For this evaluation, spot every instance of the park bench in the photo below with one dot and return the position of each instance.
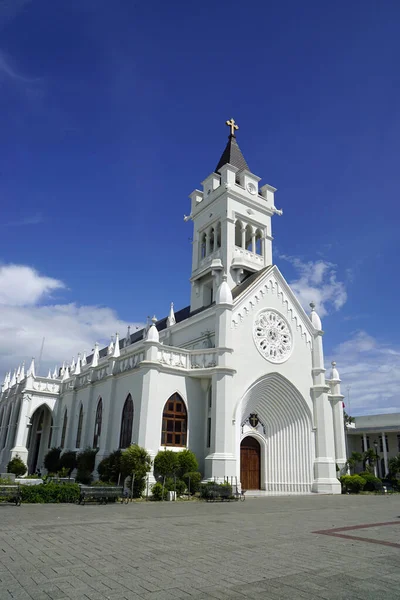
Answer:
(100, 494)
(10, 493)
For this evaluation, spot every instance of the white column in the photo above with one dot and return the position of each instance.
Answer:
(385, 456)
(244, 238)
(325, 480)
(338, 428)
(365, 442)
(253, 242)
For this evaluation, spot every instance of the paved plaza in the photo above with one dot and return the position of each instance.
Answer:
(271, 548)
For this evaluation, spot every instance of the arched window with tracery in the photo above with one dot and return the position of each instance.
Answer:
(174, 422)
(97, 424)
(125, 437)
(64, 428)
(79, 430)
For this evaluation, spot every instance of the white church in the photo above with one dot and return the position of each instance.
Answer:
(237, 376)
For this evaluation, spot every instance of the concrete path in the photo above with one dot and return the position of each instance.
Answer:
(262, 548)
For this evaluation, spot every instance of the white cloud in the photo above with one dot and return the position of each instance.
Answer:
(27, 315)
(22, 286)
(372, 370)
(317, 282)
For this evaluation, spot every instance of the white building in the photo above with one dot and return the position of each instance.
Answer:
(379, 432)
(238, 376)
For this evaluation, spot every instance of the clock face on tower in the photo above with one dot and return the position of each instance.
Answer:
(272, 336)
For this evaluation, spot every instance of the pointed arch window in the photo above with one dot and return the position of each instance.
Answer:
(259, 243)
(51, 432)
(174, 422)
(79, 430)
(218, 234)
(238, 234)
(203, 246)
(125, 437)
(97, 424)
(64, 428)
(7, 427)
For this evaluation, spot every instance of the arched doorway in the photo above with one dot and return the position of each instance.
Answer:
(285, 423)
(39, 438)
(250, 464)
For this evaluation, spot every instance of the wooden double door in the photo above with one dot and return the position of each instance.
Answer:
(250, 464)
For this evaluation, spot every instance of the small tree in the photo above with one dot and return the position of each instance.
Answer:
(135, 463)
(370, 457)
(394, 465)
(67, 462)
(17, 466)
(355, 458)
(187, 462)
(110, 467)
(52, 460)
(85, 465)
(166, 464)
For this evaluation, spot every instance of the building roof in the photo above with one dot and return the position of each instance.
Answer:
(246, 283)
(232, 155)
(181, 315)
(376, 423)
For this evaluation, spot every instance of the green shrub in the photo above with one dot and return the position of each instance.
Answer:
(17, 466)
(352, 484)
(135, 459)
(52, 460)
(157, 492)
(373, 483)
(212, 490)
(139, 485)
(6, 481)
(166, 463)
(86, 459)
(83, 476)
(195, 479)
(172, 485)
(67, 462)
(46, 493)
(110, 467)
(187, 462)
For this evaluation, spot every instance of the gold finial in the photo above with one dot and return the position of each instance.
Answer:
(233, 126)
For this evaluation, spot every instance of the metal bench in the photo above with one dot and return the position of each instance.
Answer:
(11, 493)
(100, 494)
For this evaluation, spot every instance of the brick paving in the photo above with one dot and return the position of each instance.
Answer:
(262, 548)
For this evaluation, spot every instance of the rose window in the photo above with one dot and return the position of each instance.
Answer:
(272, 336)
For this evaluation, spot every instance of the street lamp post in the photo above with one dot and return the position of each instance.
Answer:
(376, 458)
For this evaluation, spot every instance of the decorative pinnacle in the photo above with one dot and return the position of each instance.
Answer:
(312, 305)
(154, 320)
(233, 126)
(224, 277)
(333, 363)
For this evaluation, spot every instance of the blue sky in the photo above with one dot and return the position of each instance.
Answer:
(112, 113)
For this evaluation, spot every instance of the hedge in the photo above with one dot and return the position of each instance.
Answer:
(46, 493)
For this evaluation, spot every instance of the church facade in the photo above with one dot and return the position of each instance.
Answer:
(238, 376)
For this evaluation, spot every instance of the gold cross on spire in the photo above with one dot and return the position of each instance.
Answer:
(233, 126)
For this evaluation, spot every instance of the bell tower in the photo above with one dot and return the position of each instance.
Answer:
(231, 218)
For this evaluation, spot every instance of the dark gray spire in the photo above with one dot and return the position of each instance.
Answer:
(232, 155)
